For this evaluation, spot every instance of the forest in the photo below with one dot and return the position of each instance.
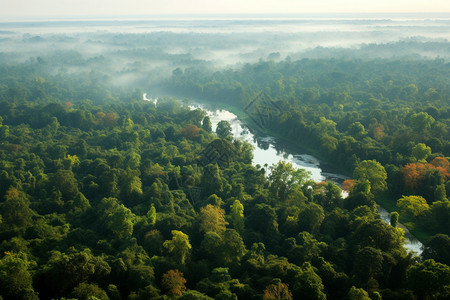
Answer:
(106, 196)
(353, 111)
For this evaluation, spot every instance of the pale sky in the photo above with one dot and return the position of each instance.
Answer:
(87, 8)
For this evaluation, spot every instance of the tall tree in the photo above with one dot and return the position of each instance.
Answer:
(224, 130)
(178, 246)
(173, 283)
(421, 151)
(212, 218)
(237, 215)
(374, 172)
(120, 222)
(15, 278)
(206, 124)
(277, 291)
(429, 279)
(438, 248)
(421, 121)
(412, 205)
(310, 217)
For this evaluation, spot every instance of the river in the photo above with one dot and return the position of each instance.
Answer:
(269, 150)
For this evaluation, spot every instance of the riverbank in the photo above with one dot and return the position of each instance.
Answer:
(390, 204)
(326, 163)
(240, 118)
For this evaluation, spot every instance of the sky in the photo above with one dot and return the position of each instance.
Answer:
(11, 9)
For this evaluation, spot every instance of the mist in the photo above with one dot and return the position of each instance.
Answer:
(145, 52)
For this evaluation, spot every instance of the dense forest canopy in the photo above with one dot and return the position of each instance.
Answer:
(106, 196)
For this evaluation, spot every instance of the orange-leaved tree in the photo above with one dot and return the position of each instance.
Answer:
(278, 291)
(173, 283)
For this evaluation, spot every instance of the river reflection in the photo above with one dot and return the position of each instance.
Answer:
(411, 243)
(269, 150)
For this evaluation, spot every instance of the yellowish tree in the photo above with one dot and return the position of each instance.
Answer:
(237, 215)
(178, 246)
(412, 205)
(212, 218)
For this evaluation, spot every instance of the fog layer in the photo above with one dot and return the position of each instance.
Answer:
(146, 51)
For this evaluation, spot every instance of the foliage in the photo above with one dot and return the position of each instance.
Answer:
(178, 246)
(212, 218)
(105, 195)
(15, 278)
(277, 291)
(413, 205)
(86, 291)
(173, 283)
(429, 279)
(372, 171)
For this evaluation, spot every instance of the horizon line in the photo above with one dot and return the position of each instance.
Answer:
(226, 15)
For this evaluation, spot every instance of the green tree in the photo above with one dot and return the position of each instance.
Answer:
(368, 264)
(194, 295)
(178, 246)
(206, 124)
(421, 121)
(438, 248)
(429, 279)
(357, 294)
(357, 130)
(421, 151)
(64, 185)
(263, 219)
(133, 160)
(65, 271)
(437, 217)
(233, 248)
(394, 218)
(89, 291)
(284, 178)
(372, 171)
(120, 222)
(440, 193)
(308, 284)
(15, 278)
(237, 215)
(303, 248)
(212, 244)
(310, 217)
(151, 215)
(15, 211)
(377, 234)
(224, 130)
(211, 181)
(412, 205)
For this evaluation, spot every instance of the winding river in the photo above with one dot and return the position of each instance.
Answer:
(269, 150)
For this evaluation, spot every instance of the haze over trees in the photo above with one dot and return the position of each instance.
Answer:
(106, 196)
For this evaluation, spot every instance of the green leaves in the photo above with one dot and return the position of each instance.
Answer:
(15, 278)
(178, 246)
(372, 171)
(120, 222)
(413, 205)
(429, 279)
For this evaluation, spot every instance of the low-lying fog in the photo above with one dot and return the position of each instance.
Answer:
(146, 50)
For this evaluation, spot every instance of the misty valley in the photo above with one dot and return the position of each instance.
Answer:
(225, 158)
